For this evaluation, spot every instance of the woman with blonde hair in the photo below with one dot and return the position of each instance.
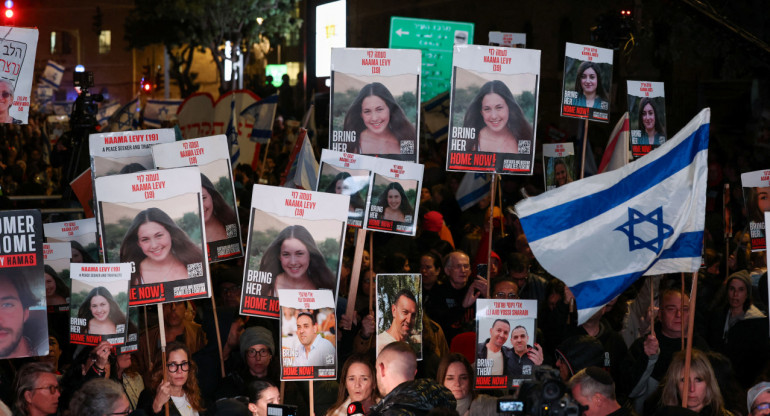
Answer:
(703, 394)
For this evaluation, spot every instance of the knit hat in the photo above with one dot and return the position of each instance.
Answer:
(433, 221)
(579, 352)
(756, 391)
(744, 277)
(256, 335)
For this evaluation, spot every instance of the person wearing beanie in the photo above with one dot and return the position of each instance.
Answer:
(257, 350)
(758, 399)
(576, 353)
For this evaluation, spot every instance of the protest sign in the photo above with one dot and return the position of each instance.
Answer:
(587, 82)
(82, 235)
(493, 109)
(347, 174)
(18, 47)
(220, 213)
(394, 200)
(399, 311)
(505, 331)
(295, 242)
(756, 197)
(308, 341)
(374, 108)
(25, 322)
(99, 304)
(508, 39)
(56, 257)
(125, 152)
(559, 163)
(154, 220)
(647, 116)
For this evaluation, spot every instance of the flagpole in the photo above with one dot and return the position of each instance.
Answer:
(491, 230)
(585, 140)
(371, 271)
(500, 202)
(162, 332)
(690, 324)
(355, 274)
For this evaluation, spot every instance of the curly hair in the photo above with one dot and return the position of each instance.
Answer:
(517, 124)
(181, 246)
(115, 315)
(600, 91)
(405, 207)
(658, 124)
(398, 124)
(342, 394)
(190, 388)
(222, 210)
(318, 272)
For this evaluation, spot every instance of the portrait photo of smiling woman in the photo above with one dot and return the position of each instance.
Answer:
(587, 82)
(99, 302)
(102, 312)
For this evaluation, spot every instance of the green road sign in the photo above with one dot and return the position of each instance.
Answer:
(436, 39)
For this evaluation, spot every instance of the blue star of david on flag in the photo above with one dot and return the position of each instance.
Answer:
(655, 217)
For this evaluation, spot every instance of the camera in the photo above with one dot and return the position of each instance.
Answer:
(544, 395)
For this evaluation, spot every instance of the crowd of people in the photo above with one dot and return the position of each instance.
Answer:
(626, 359)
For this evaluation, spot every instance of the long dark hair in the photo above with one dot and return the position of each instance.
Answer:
(517, 124)
(61, 288)
(222, 210)
(342, 393)
(116, 315)
(318, 272)
(181, 246)
(658, 125)
(398, 124)
(355, 198)
(190, 388)
(600, 91)
(405, 207)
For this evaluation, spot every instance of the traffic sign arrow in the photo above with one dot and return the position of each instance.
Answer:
(400, 32)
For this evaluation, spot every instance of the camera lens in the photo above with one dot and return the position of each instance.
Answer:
(551, 390)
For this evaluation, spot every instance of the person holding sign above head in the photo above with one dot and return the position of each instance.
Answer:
(101, 311)
(6, 102)
(313, 350)
(498, 121)
(395, 203)
(180, 388)
(158, 248)
(216, 212)
(652, 131)
(589, 87)
(295, 262)
(379, 123)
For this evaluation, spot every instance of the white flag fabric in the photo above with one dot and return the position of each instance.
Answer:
(616, 153)
(302, 171)
(157, 111)
(473, 187)
(263, 113)
(600, 234)
(52, 74)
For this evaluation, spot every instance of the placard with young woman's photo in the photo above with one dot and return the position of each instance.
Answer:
(756, 196)
(394, 200)
(220, 213)
(587, 82)
(295, 242)
(347, 174)
(646, 116)
(493, 109)
(57, 276)
(308, 335)
(559, 163)
(375, 102)
(99, 303)
(154, 220)
(505, 331)
(80, 233)
(126, 151)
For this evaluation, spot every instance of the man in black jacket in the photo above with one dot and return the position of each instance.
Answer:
(402, 394)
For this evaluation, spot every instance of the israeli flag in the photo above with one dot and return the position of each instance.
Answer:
(472, 189)
(263, 113)
(600, 234)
